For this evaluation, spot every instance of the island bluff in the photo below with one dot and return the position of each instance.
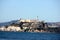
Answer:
(27, 25)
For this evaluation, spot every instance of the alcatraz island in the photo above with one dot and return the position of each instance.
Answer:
(28, 25)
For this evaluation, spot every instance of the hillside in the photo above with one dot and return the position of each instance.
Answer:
(8, 23)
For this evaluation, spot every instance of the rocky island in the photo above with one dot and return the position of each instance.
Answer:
(26, 25)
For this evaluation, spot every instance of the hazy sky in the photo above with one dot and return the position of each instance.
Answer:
(48, 10)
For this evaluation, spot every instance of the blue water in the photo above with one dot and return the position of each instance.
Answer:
(28, 36)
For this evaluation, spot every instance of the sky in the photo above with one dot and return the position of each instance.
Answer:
(47, 10)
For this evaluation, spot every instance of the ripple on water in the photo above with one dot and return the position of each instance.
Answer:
(28, 36)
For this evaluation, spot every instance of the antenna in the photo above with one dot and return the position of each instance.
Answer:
(37, 18)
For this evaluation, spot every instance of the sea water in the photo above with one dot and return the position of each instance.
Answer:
(29, 36)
